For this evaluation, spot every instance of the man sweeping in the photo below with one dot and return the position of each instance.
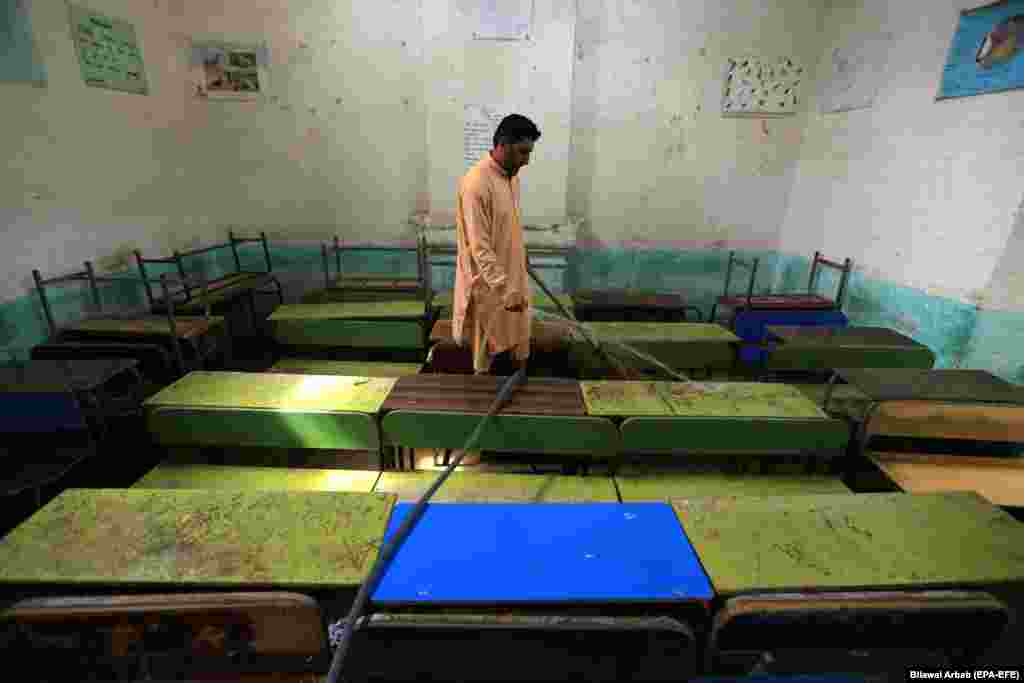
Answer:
(491, 308)
(492, 290)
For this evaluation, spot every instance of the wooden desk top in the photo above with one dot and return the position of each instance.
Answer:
(187, 327)
(274, 391)
(148, 537)
(698, 399)
(998, 480)
(475, 394)
(869, 541)
(55, 376)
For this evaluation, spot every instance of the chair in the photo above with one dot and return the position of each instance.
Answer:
(809, 301)
(132, 325)
(855, 632)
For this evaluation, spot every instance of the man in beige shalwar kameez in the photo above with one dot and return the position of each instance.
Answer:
(491, 311)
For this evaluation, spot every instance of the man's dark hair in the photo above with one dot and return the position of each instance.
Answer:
(515, 128)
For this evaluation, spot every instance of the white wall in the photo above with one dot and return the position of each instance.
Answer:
(922, 193)
(652, 157)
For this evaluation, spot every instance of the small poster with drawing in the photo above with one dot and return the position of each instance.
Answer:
(228, 71)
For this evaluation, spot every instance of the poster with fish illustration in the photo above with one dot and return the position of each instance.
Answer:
(987, 54)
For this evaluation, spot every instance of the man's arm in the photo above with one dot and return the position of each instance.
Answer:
(479, 233)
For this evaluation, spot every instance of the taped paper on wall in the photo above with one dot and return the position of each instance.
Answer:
(504, 20)
(856, 75)
(480, 122)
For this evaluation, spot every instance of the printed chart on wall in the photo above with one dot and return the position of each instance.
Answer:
(857, 73)
(19, 58)
(987, 54)
(229, 71)
(108, 51)
(504, 20)
(755, 86)
(481, 120)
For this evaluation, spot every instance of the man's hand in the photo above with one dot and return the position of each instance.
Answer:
(515, 302)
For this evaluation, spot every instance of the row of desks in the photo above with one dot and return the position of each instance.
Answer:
(599, 418)
(690, 550)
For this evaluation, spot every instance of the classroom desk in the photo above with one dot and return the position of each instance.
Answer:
(491, 487)
(544, 415)
(549, 342)
(946, 385)
(37, 394)
(752, 326)
(197, 539)
(538, 300)
(363, 324)
(827, 348)
(310, 366)
(220, 291)
(188, 476)
(998, 480)
(636, 484)
(545, 335)
(496, 553)
(715, 417)
(630, 305)
(868, 541)
(268, 409)
(684, 346)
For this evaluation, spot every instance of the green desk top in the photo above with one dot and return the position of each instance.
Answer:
(843, 542)
(662, 332)
(273, 391)
(489, 487)
(336, 367)
(815, 336)
(350, 310)
(697, 399)
(183, 476)
(198, 538)
(640, 485)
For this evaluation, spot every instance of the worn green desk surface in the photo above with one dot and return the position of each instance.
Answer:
(640, 484)
(826, 348)
(304, 366)
(200, 538)
(715, 417)
(870, 541)
(363, 324)
(273, 391)
(489, 487)
(678, 345)
(183, 476)
(269, 410)
(698, 399)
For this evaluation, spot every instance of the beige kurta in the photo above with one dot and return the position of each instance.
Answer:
(491, 264)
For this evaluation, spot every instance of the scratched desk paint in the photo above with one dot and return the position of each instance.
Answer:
(268, 409)
(870, 541)
(472, 487)
(827, 348)
(198, 538)
(171, 475)
(366, 324)
(498, 553)
(644, 483)
(678, 345)
(730, 417)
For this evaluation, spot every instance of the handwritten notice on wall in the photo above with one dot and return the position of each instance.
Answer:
(857, 71)
(108, 51)
(481, 121)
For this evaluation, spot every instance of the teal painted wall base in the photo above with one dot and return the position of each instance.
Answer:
(960, 334)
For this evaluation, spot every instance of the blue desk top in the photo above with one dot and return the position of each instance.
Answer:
(751, 326)
(492, 553)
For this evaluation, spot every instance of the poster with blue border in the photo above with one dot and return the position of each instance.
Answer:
(19, 59)
(987, 54)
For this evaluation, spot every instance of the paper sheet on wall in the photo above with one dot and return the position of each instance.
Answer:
(856, 75)
(504, 20)
(481, 120)
(19, 59)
